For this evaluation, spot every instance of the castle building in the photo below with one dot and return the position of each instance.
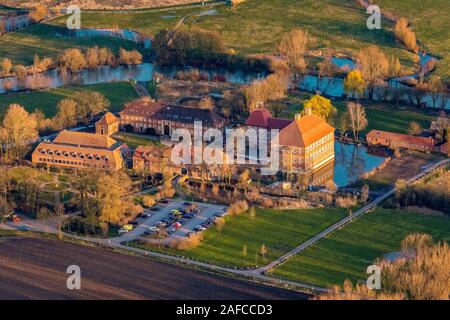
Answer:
(107, 125)
(306, 143)
(80, 150)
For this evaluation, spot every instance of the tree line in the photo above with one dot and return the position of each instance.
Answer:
(72, 60)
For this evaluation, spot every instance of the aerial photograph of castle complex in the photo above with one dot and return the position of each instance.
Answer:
(274, 151)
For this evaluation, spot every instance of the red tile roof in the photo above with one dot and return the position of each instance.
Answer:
(108, 119)
(304, 131)
(142, 108)
(262, 118)
(399, 137)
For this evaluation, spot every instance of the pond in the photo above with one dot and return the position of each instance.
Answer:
(352, 161)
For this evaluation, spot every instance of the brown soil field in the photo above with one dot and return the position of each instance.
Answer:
(33, 268)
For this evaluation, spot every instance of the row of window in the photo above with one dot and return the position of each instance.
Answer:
(74, 155)
(72, 163)
(321, 141)
(325, 149)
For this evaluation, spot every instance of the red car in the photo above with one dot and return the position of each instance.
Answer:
(16, 219)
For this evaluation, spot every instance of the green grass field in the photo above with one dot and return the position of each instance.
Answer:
(430, 20)
(279, 231)
(134, 140)
(347, 253)
(40, 39)
(118, 93)
(389, 117)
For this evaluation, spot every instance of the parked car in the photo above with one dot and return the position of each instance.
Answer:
(146, 215)
(188, 216)
(134, 222)
(123, 230)
(205, 224)
(153, 228)
(165, 201)
(148, 232)
(177, 225)
(199, 228)
(155, 209)
(187, 204)
(171, 230)
(25, 228)
(16, 219)
(128, 227)
(159, 223)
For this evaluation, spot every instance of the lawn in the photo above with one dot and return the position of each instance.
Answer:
(389, 117)
(134, 140)
(118, 93)
(430, 20)
(347, 253)
(40, 39)
(279, 231)
(256, 25)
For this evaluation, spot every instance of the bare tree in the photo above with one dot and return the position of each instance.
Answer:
(357, 118)
(293, 47)
(374, 67)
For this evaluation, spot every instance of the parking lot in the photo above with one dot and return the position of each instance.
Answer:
(204, 212)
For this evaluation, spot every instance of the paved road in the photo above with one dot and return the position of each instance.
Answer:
(36, 269)
(347, 220)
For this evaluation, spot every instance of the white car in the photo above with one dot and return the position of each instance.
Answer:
(122, 231)
(153, 228)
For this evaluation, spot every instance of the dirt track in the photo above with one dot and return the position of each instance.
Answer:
(35, 269)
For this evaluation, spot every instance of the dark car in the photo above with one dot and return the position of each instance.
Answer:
(187, 204)
(134, 223)
(155, 209)
(164, 201)
(188, 216)
(205, 224)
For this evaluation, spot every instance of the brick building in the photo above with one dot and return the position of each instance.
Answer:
(107, 125)
(80, 150)
(403, 141)
(156, 118)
